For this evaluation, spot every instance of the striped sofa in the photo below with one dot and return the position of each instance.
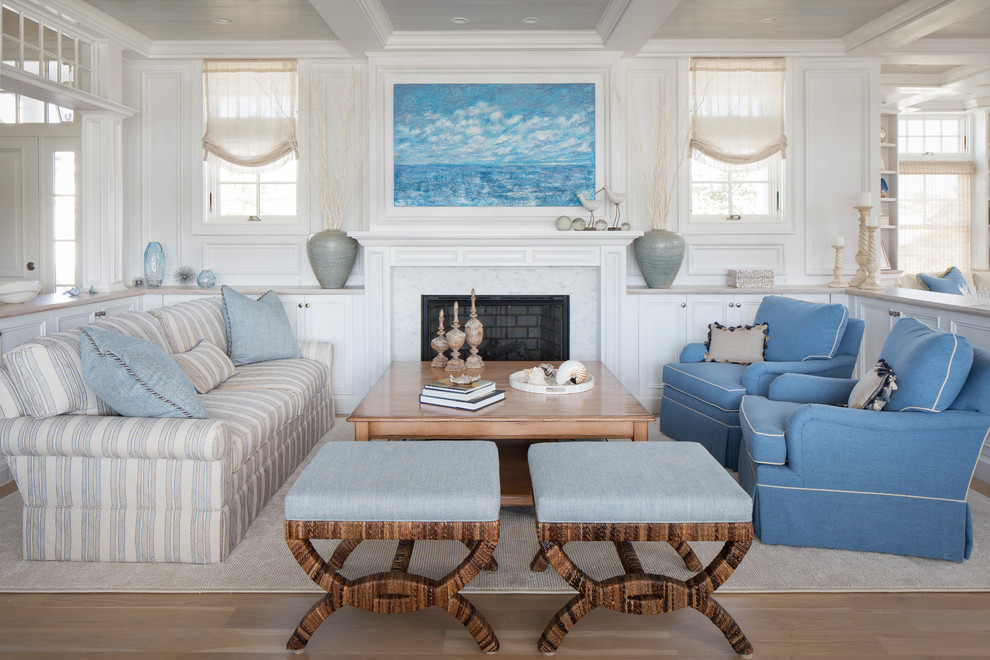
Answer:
(101, 487)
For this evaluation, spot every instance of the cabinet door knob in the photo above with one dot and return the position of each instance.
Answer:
(307, 305)
(683, 304)
(299, 305)
(29, 265)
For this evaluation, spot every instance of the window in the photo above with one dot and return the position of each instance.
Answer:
(737, 139)
(236, 194)
(249, 141)
(932, 135)
(17, 109)
(64, 219)
(732, 195)
(33, 45)
(934, 228)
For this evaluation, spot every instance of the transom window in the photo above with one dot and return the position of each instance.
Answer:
(18, 109)
(37, 47)
(932, 135)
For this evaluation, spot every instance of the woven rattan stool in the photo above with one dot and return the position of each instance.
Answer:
(672, 492)
(408, 491)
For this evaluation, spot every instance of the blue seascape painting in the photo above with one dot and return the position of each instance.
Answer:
(494, 144)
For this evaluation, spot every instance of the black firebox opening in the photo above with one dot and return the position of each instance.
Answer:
(528, 328)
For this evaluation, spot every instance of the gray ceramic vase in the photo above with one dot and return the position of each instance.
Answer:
(659, 253)
(331, 255)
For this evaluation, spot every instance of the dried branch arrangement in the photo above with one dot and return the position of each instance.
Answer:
(338, 137)
(660, 147)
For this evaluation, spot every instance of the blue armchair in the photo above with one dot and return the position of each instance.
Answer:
(701, 399)
(893, 480)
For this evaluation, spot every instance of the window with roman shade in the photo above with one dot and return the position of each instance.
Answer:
(934, 227)
(738, 110)
(737, 139)
(250, 112)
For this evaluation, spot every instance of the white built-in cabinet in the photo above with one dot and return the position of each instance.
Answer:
(15, 330)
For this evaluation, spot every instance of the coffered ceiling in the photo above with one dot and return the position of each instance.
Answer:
(935, 53)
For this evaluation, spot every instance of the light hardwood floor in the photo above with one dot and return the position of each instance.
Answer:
(910, 626)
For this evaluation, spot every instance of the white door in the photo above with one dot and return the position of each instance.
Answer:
(19, 222)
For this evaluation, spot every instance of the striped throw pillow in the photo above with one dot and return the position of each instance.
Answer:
(206, 365)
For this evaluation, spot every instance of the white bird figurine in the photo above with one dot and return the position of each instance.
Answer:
(616, 199)
(590, 205)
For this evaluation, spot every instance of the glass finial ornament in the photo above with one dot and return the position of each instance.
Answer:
(206, 279)
(154, 265)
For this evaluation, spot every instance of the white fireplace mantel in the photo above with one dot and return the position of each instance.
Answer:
(384, 251)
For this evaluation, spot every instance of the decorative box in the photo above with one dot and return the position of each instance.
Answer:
(751, 279)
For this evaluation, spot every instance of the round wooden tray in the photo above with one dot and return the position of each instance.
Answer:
(518, 381)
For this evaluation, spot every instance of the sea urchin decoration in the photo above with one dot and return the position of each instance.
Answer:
(137, 282)
(184, 275)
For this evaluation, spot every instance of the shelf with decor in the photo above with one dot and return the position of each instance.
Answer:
(888, 188)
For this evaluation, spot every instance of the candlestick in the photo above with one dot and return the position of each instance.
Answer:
(863, 241)
(837, 282)
(872, 265)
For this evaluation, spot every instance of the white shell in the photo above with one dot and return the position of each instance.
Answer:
(571, 369)
(536, 377)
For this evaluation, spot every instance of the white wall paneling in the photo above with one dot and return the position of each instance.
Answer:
(102, 201)
(841, 113)
(717, 258)
(242, 260)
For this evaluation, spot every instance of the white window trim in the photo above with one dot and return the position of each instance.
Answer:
(965, 132)
(777, 202)
(683, 221)
(211, 186)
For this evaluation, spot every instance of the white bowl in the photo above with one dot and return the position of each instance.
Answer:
(18, 291)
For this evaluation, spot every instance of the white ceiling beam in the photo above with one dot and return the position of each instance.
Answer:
(908, 22)
(362, 26)
(626, 25)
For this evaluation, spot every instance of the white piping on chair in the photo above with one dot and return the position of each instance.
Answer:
(750, 454)
(698, 398)
(955, 347)
(728, 426)
(738, 389)
(860, 492)
(835, 342)
(742, 412)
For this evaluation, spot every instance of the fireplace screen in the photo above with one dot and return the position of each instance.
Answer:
(529, 328)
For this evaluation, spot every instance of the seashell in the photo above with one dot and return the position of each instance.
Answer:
(536, 377)
(463, 379)
(571, 371)
(548, 370)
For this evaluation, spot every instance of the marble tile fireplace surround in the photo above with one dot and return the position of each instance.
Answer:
(590, 267)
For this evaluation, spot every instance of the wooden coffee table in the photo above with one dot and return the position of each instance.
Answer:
(391, 411)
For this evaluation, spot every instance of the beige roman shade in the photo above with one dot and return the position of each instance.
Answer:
(250, 111)
(738, 110)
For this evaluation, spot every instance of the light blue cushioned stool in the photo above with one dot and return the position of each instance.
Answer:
(424, 490)
(622, 492)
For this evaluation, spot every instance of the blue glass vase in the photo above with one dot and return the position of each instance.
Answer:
(206, 279)
(154, 265)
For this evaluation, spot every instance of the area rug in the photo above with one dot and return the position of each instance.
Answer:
(262, 563)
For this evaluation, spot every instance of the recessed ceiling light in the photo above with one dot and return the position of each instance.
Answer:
(769, 19)
(459, 20)
(222, 21)
(531, 20)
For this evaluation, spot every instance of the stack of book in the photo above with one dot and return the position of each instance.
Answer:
(470, 396)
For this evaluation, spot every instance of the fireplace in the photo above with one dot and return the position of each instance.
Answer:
(517, 327)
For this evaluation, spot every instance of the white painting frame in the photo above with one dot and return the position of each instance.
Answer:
(467, 218)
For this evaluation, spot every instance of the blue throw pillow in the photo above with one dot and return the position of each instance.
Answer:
(257, 330)
(800, 330)
(135, 377)
(951, 281)
(931, 366)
